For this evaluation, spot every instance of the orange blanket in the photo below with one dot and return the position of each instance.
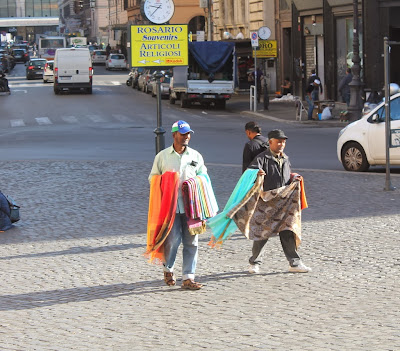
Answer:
(161, 215)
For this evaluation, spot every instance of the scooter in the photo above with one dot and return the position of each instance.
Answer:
(130, 79)
(4, 88)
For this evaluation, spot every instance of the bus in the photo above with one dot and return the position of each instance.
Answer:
(49, 45)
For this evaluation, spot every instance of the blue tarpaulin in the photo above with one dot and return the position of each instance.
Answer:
(211, 55)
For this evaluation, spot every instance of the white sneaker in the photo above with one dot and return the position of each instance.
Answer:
(254, 269)
(300, 268)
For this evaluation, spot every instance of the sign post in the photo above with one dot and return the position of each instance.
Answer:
(159, 46)
(254, 44)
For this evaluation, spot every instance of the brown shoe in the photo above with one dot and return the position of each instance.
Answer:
(169, 278)
(191, 285)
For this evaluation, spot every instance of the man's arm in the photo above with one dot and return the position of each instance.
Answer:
(247, 157)
(155, 170)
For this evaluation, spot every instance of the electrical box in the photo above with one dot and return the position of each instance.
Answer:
(204, 4)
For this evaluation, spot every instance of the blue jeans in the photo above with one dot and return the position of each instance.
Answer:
(180, 234)
(310, 106)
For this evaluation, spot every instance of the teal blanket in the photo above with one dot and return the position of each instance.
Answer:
(221, 226)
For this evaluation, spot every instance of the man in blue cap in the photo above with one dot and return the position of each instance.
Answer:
(179, 157)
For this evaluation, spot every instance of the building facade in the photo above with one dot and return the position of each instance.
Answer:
(25, 19)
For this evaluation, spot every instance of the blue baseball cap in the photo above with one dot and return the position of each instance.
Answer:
(181, 127)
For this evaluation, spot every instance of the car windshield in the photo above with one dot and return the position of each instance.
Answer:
(100, 53)
(394, 110)
(50, 65)
(19, 52)
(38, 63)
(117, 57)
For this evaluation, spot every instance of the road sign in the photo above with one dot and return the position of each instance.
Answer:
(159, 45)
(254, 39)
(267, 48)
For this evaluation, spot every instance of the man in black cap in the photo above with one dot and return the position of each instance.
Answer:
(275, 166)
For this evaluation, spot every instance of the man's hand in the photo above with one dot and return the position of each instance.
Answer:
(261, 172)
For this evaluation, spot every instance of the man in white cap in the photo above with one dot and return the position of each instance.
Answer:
(179, 157)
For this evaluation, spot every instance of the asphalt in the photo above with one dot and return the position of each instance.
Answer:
(74, 276)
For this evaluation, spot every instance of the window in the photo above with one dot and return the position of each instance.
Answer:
(394, 110)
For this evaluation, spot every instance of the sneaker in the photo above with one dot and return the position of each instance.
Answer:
(254, 268)
(300, 268)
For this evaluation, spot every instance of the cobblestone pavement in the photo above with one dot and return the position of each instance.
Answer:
(74, 276)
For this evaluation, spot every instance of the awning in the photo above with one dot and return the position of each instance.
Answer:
(29, 21)
(302, 5)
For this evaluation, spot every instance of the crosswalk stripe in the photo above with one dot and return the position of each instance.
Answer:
(96, 118)
(43, 120)
(17, 123)
(121, 118)
(70, 119)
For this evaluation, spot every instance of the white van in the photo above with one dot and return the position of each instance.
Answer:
(73, 69)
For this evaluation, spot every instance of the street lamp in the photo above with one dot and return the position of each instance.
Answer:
(355, 85)
(159, 131)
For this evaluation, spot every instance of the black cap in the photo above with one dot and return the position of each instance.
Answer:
(277, 134)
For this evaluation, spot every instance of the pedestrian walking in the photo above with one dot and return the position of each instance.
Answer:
(344, 88)
(310, 101)
(171, 167)
(274, 165)
(315, 82)
(257, 143)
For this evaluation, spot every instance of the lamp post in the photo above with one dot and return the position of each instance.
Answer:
(355, 85)
(159, 131)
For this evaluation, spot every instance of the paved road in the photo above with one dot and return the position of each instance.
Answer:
(74, 277)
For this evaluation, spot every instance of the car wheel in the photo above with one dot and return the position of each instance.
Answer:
(354, 158)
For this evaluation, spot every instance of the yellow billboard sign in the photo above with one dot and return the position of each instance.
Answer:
(159, 45)
(267, 48)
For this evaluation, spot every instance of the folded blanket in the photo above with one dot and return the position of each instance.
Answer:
(263, 214)
(161, 215)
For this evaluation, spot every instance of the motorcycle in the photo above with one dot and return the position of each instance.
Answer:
(129, 81)
(4, 88)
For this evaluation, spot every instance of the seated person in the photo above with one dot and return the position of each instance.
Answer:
(286, 86)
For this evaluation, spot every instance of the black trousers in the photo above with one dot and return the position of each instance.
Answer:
(288, 245)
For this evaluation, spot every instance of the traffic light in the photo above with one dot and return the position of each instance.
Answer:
(80, 4)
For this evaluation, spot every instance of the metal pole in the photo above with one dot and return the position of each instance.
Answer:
(159, 131)
(388, 185)
(255, 79)
(266, 96)
(355, 106)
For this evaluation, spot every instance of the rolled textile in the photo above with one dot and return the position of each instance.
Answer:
(161, 214)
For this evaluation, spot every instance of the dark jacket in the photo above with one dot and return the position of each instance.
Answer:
(344, 84)
(252, 148)
(311, 81)
(273, 178)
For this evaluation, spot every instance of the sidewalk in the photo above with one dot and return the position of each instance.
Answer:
(283, 111)
(74, 276)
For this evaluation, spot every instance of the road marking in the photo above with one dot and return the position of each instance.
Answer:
(96, 118)
(116, 83)
(43, 120)
(121, 118)
(70, 119)
(17, 123)
(18, 90)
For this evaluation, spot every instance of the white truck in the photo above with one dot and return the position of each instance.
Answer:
(210, 76)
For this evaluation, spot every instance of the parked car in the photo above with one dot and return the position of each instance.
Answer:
(116, 61)
(144, 79)
(35, 68)
(99, 57)
(164, 84)
(20, 55)
(362, 143)
(48, 74)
